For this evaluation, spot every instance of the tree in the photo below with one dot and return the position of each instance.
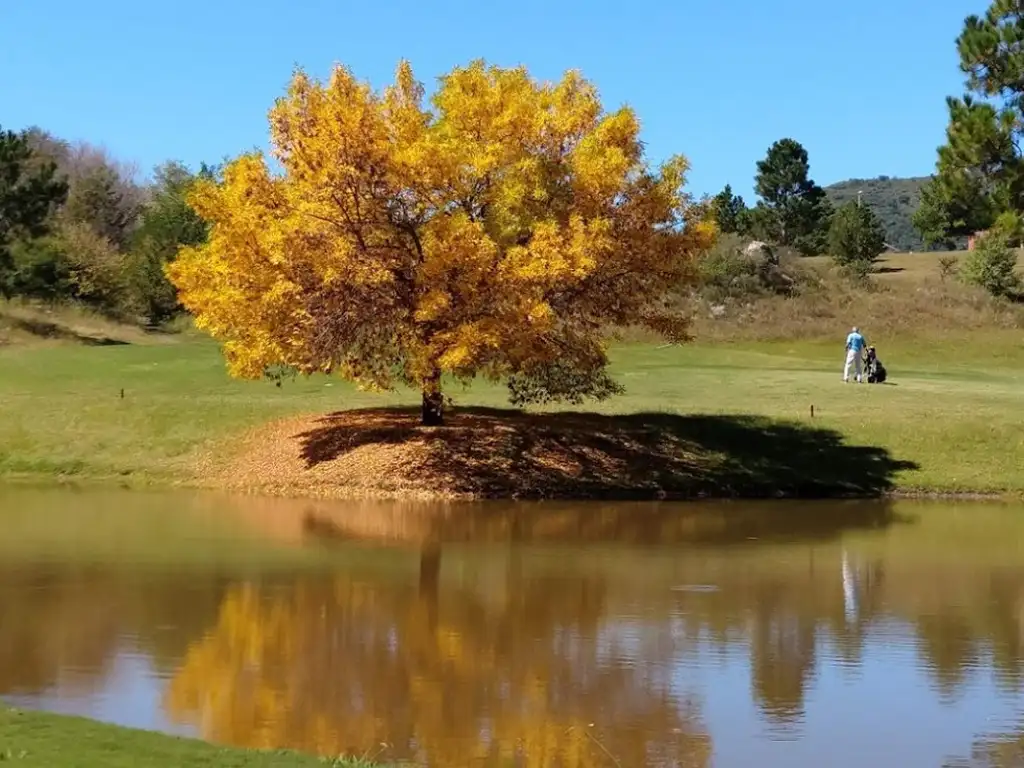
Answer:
(793, 211)
(166, 224)
(855, 237)
(992, 264)
(29, 193)
(728, 210)
(499, 234)
(980, 168)
(103, 196)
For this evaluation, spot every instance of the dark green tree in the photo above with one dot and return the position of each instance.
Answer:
(855, 238)
(953, 205)
(729, 210)
(793, 211)
(980, 168)
(30, 191)
(167, 224)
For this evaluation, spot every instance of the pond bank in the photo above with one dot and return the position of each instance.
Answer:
(499, 454)
(38, 739)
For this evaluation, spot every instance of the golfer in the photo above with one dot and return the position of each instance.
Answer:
(855, 344)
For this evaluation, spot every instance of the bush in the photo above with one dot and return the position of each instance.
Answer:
(947, 267)
(992, 265)
(75, 263)
(730, 271)
(725, 272)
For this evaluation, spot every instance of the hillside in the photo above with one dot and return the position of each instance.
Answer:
(892, 200)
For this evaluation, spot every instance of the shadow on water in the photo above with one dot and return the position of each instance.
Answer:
(637, 523)
(495, 452)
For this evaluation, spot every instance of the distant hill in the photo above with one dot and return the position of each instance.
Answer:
(892, 200)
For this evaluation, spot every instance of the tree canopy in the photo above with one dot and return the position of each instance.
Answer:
(729, 210)
(29, 192)
(980, 169)
(855, 237)
(167, 222)
(498, 232)
(793, 210)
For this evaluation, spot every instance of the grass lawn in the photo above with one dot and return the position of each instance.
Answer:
(35, 739)
(954, 407)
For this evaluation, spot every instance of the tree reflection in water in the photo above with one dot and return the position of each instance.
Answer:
(343, 665)
(523, 626)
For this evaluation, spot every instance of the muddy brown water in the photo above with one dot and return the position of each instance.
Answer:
(724, 634)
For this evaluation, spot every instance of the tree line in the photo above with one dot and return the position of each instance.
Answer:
(978, 184)
(794, 212)
(76, 224)
(977, 189)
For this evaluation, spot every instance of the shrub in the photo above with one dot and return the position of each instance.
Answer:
(992, 265)
(92, 270)
(730, 271)
(725, 272)
(947, 267)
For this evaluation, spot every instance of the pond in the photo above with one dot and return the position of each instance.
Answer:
(724, 634)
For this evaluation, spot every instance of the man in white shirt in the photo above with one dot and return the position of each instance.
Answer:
(855, 344)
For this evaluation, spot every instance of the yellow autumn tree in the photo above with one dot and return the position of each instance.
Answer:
(499, 230)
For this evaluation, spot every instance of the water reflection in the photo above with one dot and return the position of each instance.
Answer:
(337, 665)
(518, 634)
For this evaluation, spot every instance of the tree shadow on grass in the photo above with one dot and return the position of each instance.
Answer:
(49, 330)
(502, 453)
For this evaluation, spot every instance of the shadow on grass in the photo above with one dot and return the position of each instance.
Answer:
(887, 270)
(49, 330)
(501, 453)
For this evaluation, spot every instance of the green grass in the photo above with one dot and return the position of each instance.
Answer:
(35, 739)
(952, 407)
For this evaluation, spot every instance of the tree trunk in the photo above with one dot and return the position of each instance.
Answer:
(430, 568)
(433, 401)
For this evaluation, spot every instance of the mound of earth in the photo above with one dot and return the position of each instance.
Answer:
(484, 453)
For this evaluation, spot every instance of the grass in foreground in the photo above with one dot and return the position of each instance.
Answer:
(54, 741)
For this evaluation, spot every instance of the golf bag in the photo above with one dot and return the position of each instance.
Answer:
(876, 371)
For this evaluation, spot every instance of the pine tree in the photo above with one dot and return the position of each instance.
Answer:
(729, 210)
(29, 193)
(980, 168)
(855, 238)
(793, 211)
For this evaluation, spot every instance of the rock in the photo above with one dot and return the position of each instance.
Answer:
(762, 254)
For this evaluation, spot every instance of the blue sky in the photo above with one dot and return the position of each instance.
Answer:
(861, 85)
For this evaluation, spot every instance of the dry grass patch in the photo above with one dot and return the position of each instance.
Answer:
(891, 303)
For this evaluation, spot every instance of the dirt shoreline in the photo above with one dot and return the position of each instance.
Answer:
(482, 454)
